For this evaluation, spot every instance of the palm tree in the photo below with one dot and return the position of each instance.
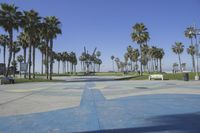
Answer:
(191, 51)
(31, 25)
(160, 55)
(53, 29)
(81, 59)
(175, 65)
(190, 33)
(145, 59)
(10, 21)
(152, 53)
(178, 48)
(99, 62)
(126, 56)
(183, 66)
(4, 41)
(140, 36)
(98, 54)
(130, 51)
(23, 40)
(65, 57)
(59, 58)
(134, 57)
(42, 48)
(112, 58)
(15, 49)
(20, 59)
(117, 63)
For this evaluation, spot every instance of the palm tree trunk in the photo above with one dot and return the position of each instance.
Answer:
(179, 58)
(63, 67)
(193, 60)
(42, 63)
(160, 65)
(58, 67)
(113, 66)
(14, 63)
(192, 42)
(75, 69)
(4, 58)
(47, 60)
(136, 65)
(94, 67)
(10, 51)
(67, 67)
(197, 67)
(72, 68)
(141, 60)
(25, 61)
(99, 67)
(34, 61)
(29, 61)
(193, 63)
(51, 58)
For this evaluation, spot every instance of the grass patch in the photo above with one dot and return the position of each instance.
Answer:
(21, 80)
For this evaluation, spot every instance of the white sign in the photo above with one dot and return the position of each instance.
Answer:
(23, 67)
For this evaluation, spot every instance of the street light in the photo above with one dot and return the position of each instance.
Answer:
(197, 32)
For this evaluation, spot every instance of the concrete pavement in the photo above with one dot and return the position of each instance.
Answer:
(112, 106)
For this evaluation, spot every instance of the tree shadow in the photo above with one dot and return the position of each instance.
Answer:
(182, 123)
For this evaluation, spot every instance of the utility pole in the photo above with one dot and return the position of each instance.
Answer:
(197, 32)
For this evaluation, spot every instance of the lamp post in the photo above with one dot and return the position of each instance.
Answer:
(197, 32)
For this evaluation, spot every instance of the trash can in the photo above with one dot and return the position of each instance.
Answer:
(186, 76)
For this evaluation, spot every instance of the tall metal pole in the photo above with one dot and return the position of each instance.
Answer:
(197, 54)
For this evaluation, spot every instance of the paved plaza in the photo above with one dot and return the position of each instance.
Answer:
(101, 106)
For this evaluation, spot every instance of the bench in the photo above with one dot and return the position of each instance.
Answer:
(7, 80)
(156, 76)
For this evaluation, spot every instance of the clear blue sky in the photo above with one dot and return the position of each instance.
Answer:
(107, 24)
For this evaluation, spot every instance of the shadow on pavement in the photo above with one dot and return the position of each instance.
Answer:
(181, 123)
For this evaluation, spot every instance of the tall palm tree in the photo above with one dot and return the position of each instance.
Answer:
(191, 51)
(99, 62)
(15, 49)
(117, 63)
(23, 40)
(134, 57)
(98, 54)
(178, 48)
(4, 41)
(53, 30)
(140, 35)
(160, 55)
(42, 48)
(10, 21)
(130, 51)
(175, 65)
(145, 58)
(81, 59)
(31, 24)
(58, 57)
(20, 59)
(65, 57)
(190, 33)
(126, 57)
(112, 58)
